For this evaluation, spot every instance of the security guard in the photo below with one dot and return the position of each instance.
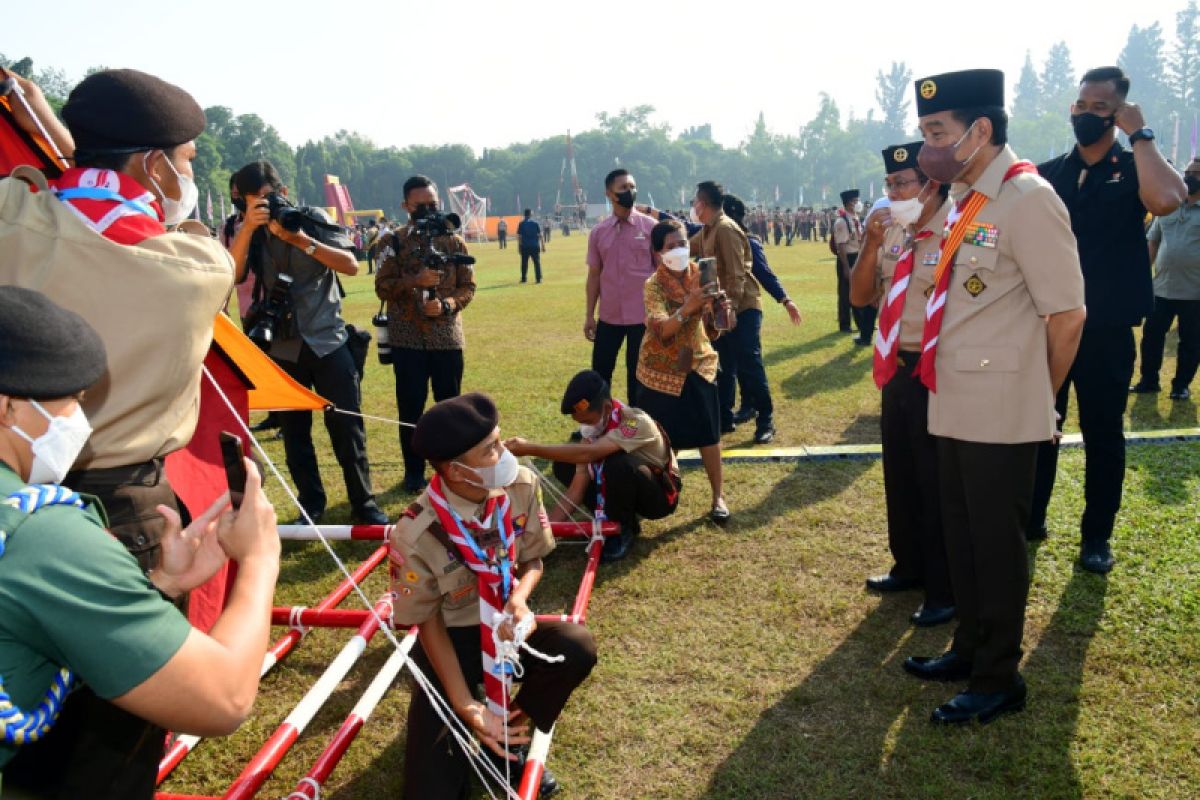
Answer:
(1001, 329)
(481, 518)
(899, 255)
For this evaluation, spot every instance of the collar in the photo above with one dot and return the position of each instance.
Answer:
(467, 509)
(715, 220)
(937, 222)
(1111, 157)
(992, 179)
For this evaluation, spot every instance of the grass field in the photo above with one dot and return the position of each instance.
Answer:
(749, 662)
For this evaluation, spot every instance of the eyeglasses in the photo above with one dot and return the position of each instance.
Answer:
(897, 185)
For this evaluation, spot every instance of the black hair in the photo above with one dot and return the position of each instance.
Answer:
(414, 183)
(611, 177)
(1106, 74)
(658, 234)
(232, 182)
(735, 209)
(711, 192)
(251, 178)
(528, 213)
(994, 114)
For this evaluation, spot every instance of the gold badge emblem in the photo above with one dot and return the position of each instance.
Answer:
(900, 155)
(928, 90)
(974, 285)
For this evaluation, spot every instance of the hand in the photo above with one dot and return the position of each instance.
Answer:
(589, 329)
(294, 238)
(517, 446)
(428, 278)
(877, 225)
(250, 532)
(1056, 437)
(257, 214)
(519, 611)
(793, 311)
(696, 300)
(1129, 118)
(192, 555)
(491, 729)
(36, 100)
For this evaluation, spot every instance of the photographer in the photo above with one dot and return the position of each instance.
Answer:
(297, 319)
(427, 279)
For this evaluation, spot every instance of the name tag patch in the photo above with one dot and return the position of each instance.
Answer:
(982, 234)
(930, 259)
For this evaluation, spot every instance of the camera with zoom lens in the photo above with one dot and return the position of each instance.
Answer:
(272, 313)
(427, 228)
(293, 219)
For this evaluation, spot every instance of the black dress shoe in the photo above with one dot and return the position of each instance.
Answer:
(890, 583)
(1097, 559)
(744, 415)
(861, 342)
(764, 435)
(931, 616)
(949, 666)
(1180, 394)
(414, 485)
(983, 706)
(617, 547)
(369, 515)
(730, 428)
(270, 423)
(719, 514)
(1141, 387)
(314, 515)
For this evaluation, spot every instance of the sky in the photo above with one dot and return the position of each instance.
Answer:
(489, 74)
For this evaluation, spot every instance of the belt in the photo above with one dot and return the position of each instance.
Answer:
(908, 357)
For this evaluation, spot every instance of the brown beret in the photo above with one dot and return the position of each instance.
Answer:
(452, 427)
(127, 110)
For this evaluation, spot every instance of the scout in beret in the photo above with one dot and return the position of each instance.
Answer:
(1002, 328)
(476, 535)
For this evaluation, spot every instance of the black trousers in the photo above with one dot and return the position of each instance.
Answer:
(910, 485)
(843, 290)
(335, 378)
(536, 254)
(985, 491)
(416, 372)
(434, 766)
(751, 374)
(631, 489)
(864, 320)
(1101, 374)
(503, 237)
(609, 339)
(1154, 335)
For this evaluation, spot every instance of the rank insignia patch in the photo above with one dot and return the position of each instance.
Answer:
(982, 234)
(928, 90)
(974, 285)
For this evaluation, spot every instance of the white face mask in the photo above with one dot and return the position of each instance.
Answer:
(592, 432)
(56, 450)
(175, 211)
(676, 259)
(906, 212)
(693, 217)
(497, 476)
(858, 206)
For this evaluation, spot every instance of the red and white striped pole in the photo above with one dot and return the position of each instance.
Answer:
(270, 754)
(185, 744)
(535, 765)
(309, 787)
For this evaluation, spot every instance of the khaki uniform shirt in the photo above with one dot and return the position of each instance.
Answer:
(723, 240)
(993, 375)
(847, 235)
(638, 435)
(428, 577)
(152, 303)
(920, 284)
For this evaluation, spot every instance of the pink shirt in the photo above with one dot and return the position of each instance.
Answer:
(620, 249)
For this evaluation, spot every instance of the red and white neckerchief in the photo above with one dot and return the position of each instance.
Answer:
(596, 468)
(957, 222)
(493, 568)
(888, 336)
(111, 203)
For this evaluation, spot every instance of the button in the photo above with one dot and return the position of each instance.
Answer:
(974, 260)
(984, 362)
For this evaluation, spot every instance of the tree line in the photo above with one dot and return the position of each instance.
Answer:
(830, 152)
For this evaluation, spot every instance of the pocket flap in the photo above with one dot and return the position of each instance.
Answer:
(973, 257)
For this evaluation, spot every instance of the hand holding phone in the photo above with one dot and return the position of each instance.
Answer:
(235, 468)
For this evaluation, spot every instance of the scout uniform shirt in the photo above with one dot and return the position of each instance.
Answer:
(920, 283)
(426, 572)
(1017, 264)
(723, 240)
(847, 235)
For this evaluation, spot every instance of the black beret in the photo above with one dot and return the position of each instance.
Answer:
(848, 195)
(452, 427)
(46, 351)
(126, 110)
(585, 391)
(900, 157)
(953, 90)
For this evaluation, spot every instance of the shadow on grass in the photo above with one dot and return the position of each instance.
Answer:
(841, 371)
(778, 354)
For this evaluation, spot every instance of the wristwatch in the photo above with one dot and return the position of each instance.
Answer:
(680, 316)
(312, 248)
(1139, 135)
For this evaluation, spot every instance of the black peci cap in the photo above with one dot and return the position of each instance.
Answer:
(46, 351)
(452, 427)
(969, 88)
(848, 195)
(585, 391)
(124, 110)
(900, 157)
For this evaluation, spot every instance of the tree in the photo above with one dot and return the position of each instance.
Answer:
(1142, 60)
(1059, 85)
(1184, 62)
(893, 94)
(1027, 94)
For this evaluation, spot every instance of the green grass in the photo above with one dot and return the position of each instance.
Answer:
(748, 662)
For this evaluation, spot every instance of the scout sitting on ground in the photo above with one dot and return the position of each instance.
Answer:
(476, 537)
(622, 468)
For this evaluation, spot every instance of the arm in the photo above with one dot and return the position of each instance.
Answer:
(574, 497)
(391, 282)
(763, 273)
(1154, 239)
(580, 453)
(863, 280)
(42, 112)
(732, 257)
(464, 287)
(334, 258)
(595, 265)
(1153, 245)
(1063, 331)
(1159, 185)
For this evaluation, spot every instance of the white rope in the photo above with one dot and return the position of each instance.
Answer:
(299, 795)
(422, 681)
(294, 620)
(337, 410)
(509, 651)
(20, 93)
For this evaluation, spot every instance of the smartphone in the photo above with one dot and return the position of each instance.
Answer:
(235, 468)
(708, 274)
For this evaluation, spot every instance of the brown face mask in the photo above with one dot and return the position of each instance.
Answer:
(940, 163)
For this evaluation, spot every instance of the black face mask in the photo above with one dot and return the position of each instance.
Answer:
(424, 210)
(627, 198)
(1090, 128)
(1192, 182)
(239, 203)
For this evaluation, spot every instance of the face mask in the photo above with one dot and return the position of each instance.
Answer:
(858, 206)
(693, 217)
(627, 198)
(239, 203)
(56, 450)
(424, 210)
(676, 259)
(940, 163)
(1090, 128)
(1192, 182)
(497, 476)
(906, 212)
(592, 432)
(175, 211)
